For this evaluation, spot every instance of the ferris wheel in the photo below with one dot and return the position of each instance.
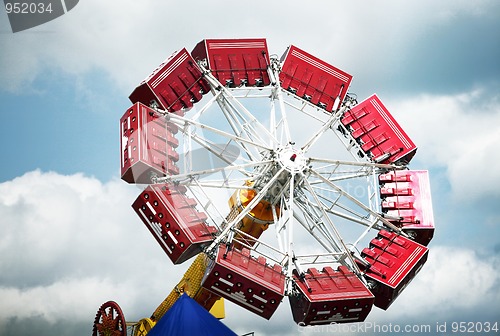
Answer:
(280, 183)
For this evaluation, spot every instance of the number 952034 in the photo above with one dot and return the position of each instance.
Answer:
(27, 7)
(474, 327)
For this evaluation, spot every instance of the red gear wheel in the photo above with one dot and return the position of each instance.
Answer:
(109, 321)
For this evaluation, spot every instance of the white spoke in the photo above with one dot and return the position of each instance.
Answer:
(326, 126)
(342, 176)
(356, 164)
(236, 112)
(205, 108)
(286, 137)
(181, 121)
(291, 210)
(201, 173)
(355, 217)
(258, 197)
(343, 247)
(358, 203)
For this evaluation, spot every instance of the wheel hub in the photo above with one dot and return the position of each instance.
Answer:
(293, 160)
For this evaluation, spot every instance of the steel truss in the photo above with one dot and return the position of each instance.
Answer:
(307, 190)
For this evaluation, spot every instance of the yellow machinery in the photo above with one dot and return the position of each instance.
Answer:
(191, 285)
(252, 225)
(255, 222)
(247, 230)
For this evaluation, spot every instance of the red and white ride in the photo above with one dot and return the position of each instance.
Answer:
(286, 183)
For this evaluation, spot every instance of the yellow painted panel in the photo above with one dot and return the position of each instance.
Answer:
(218, 309)
(143, 327)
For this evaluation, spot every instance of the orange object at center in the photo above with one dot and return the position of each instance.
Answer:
(262, 211)
(256, 221)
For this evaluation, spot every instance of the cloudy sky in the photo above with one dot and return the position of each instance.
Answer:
(69, 239)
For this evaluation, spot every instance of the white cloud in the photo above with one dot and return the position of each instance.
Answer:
(453, 281)
(128, 39)
(70, 243)
(458, 132)
(70, 299)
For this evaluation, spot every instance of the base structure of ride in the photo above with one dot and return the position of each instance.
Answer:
(274, 181)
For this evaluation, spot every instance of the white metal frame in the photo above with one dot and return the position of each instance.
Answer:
(282, 173)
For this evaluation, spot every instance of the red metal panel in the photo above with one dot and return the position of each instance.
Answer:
(313, 79)
(394, 261)
(330, 297)
(406, 200)
(235, 62)
(180, 200)
(401, 176)
(147, 145)
(247, 281)
(176, 84)
(177, 226)
(380, 136)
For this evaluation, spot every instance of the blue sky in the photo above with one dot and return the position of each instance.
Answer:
(68, 238)
(57, 108)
